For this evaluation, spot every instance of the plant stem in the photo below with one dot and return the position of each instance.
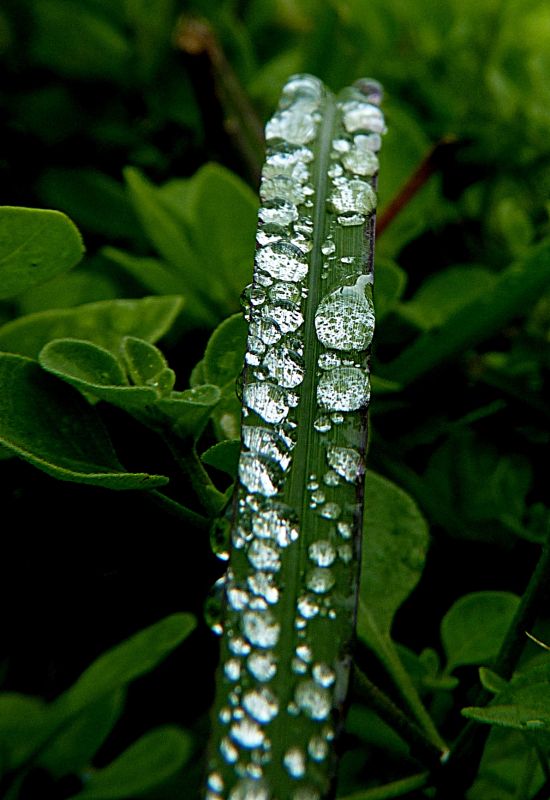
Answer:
(427, 167)
(393, 789)
(421, 746)
(463, 762)
(179, 511)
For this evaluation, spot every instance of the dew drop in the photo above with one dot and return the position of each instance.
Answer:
(302, 87)
(345, 461)
(291, 163)
(295, 762)
(265, 442)
(261, 666)
(261, 704)
(267, 400)
(317, 748)
(313, 700)
(215, 782)
(286, 314)
(328, 247)
(259, 474)
(285, 367)
(284, 291)
(213, 607)
(250, 789)
(322, 425)
(232, 669)
(283, 261)
(276, 521)
(247, 733)
(228, 751)
(260, 628)
(303, 652)
(308, 606)
(294, 125)
(320, 580)
(220, 537)
(323, 674)
(344, 319)
(346, 553)
(361, 159)
(238, 646)
(322, 553)
(330, 511)
(362, 117)
(353, 197)
(237, 598)
(343, 389)
(281, 186)
(262, 584)
(278, 212)
(264, 329)
(264, 556)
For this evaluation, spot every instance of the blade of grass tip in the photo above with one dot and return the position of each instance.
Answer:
(291, 588)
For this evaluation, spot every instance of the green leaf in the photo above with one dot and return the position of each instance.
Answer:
(125, 662)
(444, 293)
(51, 426)
(94, 370)
(514, 293)
(35, 245)
(66, 291)
(155, 275)
(224, 456)
(224, 355)
(474, 627)
(190, 410)
(144, 765)
(395, 542)
(146, 365)
(25, 724)
(105, 323)
(71, 749)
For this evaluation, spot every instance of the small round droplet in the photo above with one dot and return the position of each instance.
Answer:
(260, 628)
(313, 700)
(247, 733)
(344, 319)
(295, 762)
(261, 704)
(361, 117)
(261, 666)
(278, 212)
(264, 556)
(322, 553)
(345, 461)
(295, 126)
(320, 580)
(323, 674)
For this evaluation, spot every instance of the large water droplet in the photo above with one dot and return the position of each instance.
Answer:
(308, 606)
(266, 330)
(361, 159)
(285, 367)
(278, 212)
(282, 187)
(322, 553)
(283, 261)
(262, 666)
(343, 389)
(228, 751)
(232, 669)
(323, 674)
(320, 580)
(287, 315)
(353, 197)
(344, 319)
(294, 125)
(295, 762)
(300, 88)
(247, 733)
(260, 628)
(313, 700)
(261, 704)
(267, 400)
(362, 117)
(263, 585)
(276, 521)
(345, 461)
(288, 162)
(265, 442)
(259, 475)
(264, 556)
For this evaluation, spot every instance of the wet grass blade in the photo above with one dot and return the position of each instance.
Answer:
(289, 595)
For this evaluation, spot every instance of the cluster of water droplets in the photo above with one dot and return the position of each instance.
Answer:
(267, 529)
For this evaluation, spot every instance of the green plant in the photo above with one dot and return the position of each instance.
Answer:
(118, 370)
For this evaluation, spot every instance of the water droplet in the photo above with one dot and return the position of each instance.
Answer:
(353, 197)
(232, 669)
(259, 474)
(262, 666)
(303, 652)
(317, 748)
(284, 291)
(317, 496)
(344, 319)
(345, 461)
(261, 704)
(343, 389)
(225, 715)
(362, 117)
(267, 400)
(285, 367)
(361, 159)
(313, 700)
(320, 580)
(337, 418)
(281, 186)
(264, 556)
(247, 733)
(283, 261)
(308, 606)
(330, 511)
(237, 598)
(262, 584)
(331, 478)
(295, 762)
(322, 553)
(302, 87)
(238, 646)
(265, 442)
(346, 553)
(276, 521)
(290, 162)
(278, 212)
(215, 782)
(322, 425)
(294, 125)
(220, 537)
(323, 674)
(228, 751)
(328, 247)
(250, 789)
(266, 330)
(260, 628)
